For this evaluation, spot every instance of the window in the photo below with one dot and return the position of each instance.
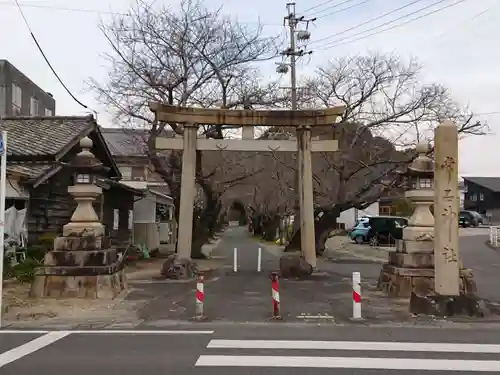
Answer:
(82, 178)
(385, 210)
(425, 183)
(16, 111)
(473, 197)
(138, 173)
(126, 173)
(466, 188)
(49, 112)
(481, 196)
(3, 110)
(17, 96)
(33, 107)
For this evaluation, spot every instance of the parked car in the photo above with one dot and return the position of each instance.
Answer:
(360, 230)
(385, 230)
(469, 218)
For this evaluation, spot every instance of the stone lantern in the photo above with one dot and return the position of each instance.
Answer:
(82, 264)
(411, 267)
(420, 177)
(86, 169)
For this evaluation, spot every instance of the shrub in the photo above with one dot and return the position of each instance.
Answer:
(25, 270)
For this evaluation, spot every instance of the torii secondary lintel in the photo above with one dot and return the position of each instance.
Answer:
(303, 120)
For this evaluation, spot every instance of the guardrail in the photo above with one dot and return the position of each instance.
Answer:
(495, 236)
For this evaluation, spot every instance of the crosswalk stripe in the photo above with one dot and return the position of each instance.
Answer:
(356, 345)
(348, 362)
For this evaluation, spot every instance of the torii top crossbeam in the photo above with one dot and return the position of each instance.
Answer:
(216, 116)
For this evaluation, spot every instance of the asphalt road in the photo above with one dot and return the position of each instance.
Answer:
(239, 349)
(484, 262)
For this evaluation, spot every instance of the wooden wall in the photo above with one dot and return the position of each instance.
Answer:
(50, 206)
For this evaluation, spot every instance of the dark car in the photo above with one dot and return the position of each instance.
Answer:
(385, 230)
(469, 218)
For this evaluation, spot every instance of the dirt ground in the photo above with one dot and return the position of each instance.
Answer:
(19, 307)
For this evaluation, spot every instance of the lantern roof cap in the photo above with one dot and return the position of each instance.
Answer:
(422, 164)
(85, 161)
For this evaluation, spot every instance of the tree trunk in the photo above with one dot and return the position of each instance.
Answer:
(204, 224)
(270, 227)
(322, 229)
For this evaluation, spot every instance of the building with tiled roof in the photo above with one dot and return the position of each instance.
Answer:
(37, 150)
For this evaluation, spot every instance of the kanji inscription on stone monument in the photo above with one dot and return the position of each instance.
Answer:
(446, 207)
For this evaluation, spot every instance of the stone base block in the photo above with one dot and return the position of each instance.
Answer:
(73, 243)
(402, 282)
(295, 266)
(418, 234)
(81, 258)
(90, 286)
(445, 306)
(414, 246)
(413, 260)
(83, 229)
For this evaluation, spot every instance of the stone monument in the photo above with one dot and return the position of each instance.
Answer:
(425, 265)
(454, 289)
(82, 264)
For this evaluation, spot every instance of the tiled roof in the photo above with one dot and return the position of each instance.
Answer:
(490, 183)
(127, 142)
(42, 136)
(29, 170)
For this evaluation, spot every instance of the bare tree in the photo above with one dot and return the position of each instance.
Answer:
(190, 56)
(387, 111)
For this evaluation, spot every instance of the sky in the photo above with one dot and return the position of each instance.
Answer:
(455, 46)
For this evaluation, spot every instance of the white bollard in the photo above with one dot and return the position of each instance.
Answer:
(356, 295)
(235, 260)
(259, 260)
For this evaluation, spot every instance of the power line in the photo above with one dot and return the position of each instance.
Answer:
(381, 25)
(46, 59)
(317, 6)
(487, 113)
(100, 12)
(344, 9)
(65, 9)
(367, 22)
(339, 42)
(330, 7)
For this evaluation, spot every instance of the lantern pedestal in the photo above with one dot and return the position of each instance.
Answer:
(84, 219)
(82, 264)
(80, 267)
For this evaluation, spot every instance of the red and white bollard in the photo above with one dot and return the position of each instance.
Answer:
(200, 297)
(276, 295)
(356, 295)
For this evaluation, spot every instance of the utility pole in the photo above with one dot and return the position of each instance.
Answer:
(304, 196)
(292, 24)
(296, 35)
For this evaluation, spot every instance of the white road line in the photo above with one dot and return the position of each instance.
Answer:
(31, 346)
(23, 331)
(348, 362)
(117, 332)
(142, 332)
(356, 345)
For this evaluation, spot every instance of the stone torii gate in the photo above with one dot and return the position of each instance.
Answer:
(302, 120)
